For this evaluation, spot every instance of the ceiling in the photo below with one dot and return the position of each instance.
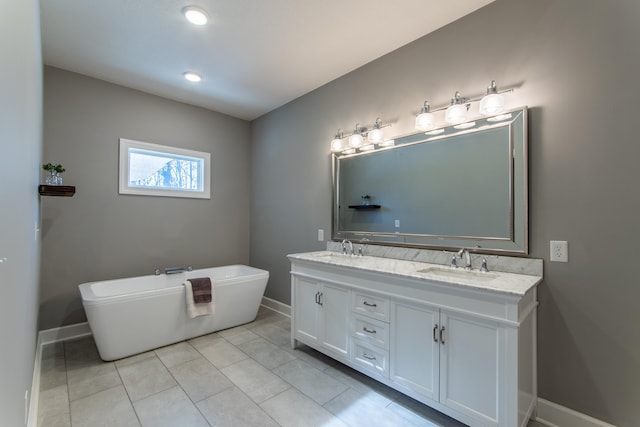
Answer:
(254, 55)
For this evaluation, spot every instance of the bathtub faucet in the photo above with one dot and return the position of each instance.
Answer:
(175, 270)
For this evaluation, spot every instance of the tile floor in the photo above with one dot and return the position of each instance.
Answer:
(244, 376)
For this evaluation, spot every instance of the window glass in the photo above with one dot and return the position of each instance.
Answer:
(156, 170)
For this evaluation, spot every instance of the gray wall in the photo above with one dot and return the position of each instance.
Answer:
(577, 65)
(99, 234)
(20, 149)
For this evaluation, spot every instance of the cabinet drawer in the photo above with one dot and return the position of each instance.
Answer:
(370, 358)
(372, 306)
(370, 330)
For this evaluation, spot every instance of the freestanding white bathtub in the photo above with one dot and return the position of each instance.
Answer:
(133, 315)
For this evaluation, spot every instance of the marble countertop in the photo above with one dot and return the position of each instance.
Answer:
(494, 281)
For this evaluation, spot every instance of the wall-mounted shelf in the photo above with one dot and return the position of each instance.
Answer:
(57, 190)
(364, 207)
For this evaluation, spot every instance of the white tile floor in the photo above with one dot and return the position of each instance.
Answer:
(244, 376)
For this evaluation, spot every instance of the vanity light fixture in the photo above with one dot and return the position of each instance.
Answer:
(336, 144)
(376, 135)
(373, 135)
(192, 76)
(195, 15)
(388, 143)
(457, 111)
(493, 102)
(425, 120)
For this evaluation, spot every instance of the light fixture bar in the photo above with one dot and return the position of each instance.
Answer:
(470, 100)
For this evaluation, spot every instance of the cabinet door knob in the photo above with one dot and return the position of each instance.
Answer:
(435, 333)
(442, 335)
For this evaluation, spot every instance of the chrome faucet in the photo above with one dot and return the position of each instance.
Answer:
(363, 245)
(344, 247)
(454, 262)
(462, 252)
(176, 270)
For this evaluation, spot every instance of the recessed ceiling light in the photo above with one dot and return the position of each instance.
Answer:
(192, 77)
(195, 15)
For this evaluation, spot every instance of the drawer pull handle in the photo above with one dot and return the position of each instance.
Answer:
(366, 356)
(435, 333)
(369, 331)
(370, 305)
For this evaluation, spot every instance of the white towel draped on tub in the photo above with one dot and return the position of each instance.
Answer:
(201, 309)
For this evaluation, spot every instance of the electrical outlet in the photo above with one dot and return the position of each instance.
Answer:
(559, 251)
(397, 223)
(320, 235)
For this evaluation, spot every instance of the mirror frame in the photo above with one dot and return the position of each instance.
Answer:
(518, 241)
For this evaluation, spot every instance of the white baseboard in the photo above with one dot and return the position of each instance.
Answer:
(554, 415)
(34, 399)
(64, 333)
(276, 306)
(49, 336)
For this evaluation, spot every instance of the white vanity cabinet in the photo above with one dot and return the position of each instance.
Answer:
(322, 315)
(448, 357)
(467, 350)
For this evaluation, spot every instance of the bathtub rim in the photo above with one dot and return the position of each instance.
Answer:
(90, 298)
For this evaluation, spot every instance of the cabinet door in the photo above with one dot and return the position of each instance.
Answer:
(415, 348)
(306, 310)
(335, 319)
(469, 366)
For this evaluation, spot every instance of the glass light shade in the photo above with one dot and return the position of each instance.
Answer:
(456, 113)
(195, 15)
(376, 135)
(336, 145)
(356, 140)
(425, 121)
(492, 104)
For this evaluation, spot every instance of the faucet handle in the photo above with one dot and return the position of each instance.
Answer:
(484, 267)
(453, 263)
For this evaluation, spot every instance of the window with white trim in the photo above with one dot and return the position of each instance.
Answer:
(159, 170)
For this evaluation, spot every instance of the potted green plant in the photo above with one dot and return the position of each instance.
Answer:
(54, 177)
(366, 199)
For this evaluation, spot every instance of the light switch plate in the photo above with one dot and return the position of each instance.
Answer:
(559, 251)
(320, 235)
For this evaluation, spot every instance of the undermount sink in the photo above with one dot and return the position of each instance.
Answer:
(453, 273)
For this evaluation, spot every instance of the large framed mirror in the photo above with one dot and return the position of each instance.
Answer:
(459, 186)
